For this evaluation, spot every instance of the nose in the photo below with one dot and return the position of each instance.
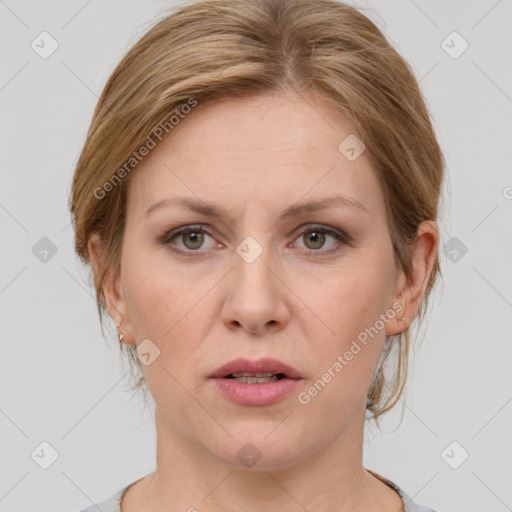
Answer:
(256, 297)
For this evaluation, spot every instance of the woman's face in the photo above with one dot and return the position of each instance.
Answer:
(252, 285)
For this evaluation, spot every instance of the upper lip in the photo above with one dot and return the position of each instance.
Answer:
(264, 365)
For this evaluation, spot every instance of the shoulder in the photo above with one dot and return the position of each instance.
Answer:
(112, 504)
(410, 505)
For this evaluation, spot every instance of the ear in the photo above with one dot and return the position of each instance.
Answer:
(410, 292)
(112, 290)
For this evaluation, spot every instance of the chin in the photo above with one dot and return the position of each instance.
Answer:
(259, 450)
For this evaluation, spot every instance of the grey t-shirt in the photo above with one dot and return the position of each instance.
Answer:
(113, 504)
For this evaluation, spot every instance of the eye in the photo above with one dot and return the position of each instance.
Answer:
(192, 239)
(314, 238)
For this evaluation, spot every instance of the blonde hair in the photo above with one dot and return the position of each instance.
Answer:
(216, 49)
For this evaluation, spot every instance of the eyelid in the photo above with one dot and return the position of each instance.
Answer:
(325, 229)
(340, 235)
(166, 238)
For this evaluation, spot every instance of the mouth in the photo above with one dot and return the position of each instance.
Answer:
(254, 372)
(256, 383)
(258, 378)
(255, 388)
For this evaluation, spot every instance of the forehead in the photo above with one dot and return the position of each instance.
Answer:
(272, 149)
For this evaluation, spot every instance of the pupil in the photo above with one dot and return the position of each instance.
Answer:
(318, 238)
(196, 239)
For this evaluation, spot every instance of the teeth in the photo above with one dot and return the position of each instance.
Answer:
(256, 380)
(253, 374)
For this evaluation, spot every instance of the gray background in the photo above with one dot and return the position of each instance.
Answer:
(62, 384)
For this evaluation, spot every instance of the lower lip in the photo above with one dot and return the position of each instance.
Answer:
(256, 394)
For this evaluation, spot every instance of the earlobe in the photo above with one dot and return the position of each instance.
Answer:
(399, 320)
(411, 290)
(95, 247)
(113, 298)
(117, 308)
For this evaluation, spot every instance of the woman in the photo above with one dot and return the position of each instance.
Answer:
(258, 197)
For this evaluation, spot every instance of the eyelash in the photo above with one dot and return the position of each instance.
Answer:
(169, 236)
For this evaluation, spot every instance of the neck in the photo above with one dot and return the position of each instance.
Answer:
(188, 477)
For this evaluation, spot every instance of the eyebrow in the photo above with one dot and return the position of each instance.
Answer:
(295, 210)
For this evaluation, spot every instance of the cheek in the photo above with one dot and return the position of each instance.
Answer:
(348, 299)
(166, 305)
(156, 293)
(350, 304)
(160, 310)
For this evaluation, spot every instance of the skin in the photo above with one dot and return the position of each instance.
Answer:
(255, 158)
